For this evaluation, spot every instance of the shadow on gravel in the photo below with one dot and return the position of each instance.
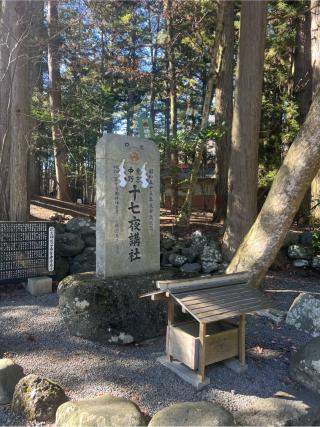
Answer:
(32, 331)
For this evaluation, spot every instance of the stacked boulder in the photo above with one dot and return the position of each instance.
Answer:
(75, 248)
(300, 255)
(76, 251)
(300, 250)
(194, 255)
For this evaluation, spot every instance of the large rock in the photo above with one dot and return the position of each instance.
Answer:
(177, 260)
(282, 409)
(210, 258)
(192, 414)
(304, 314)
(306, 238)
(198, 241)
(209, 267)
(315, 263)
(84, 262)
(273, 314)
(305, 365)
(59, 228)
(69, 244)
(76, 225)
(301, 263)
(102, 411)
(177, 249)
(164, 258)
(211, 253)
(61, 267)
(37, 399)
(222, 268)
(167, 241)
(281, 262)
(193, 267)
(292, 238)
(300, 252)
(88, 235)
(191, 254)
(10, 374)
(110, 310)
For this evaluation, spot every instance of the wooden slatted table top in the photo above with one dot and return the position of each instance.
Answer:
(213, 298)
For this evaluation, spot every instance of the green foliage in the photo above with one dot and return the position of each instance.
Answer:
(265, 179)
(316, 240)
(279, 120)
(114, 68)
(186, 142)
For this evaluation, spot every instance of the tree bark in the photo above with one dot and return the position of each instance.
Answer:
(60, 152)
(36, 50)
(243, 171)
(153, 57)
(20, 114)
(315, 61)
(263, 241)
(15, 108)
(223, 111)
(185, 213)
(130, 109)
(302, 78)
(302, 86)
(174, 157)
(5, 102)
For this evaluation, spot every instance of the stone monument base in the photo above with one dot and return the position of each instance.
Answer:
(109, 310)
(39, 285)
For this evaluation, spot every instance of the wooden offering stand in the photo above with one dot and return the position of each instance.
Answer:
(210, 337)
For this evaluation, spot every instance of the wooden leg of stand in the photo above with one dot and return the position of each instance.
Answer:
(170, 323)
(242, 340)
(202, 361)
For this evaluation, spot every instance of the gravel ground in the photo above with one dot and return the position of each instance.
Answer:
(33, 333)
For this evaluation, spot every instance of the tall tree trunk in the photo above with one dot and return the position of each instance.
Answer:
(223, 111)
(153, 56)
(186, 209)
(108, 107)
(36, 50)
(34, 174)
(16, 101)
(302, 78)
(20, 113)
(130, 110)
(60, 152)
(169, 6)
(133, 64)
(5, 102)
(243, 171)
(315, 61)
(263, 241)
(302, 85)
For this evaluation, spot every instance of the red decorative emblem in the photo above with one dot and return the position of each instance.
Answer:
(135, 156)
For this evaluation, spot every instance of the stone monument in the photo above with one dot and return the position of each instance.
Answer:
(128, 206)
(104, 306)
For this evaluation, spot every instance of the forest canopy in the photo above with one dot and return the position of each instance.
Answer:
(223, 86)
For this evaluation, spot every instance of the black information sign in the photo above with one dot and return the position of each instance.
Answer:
(26, 249)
